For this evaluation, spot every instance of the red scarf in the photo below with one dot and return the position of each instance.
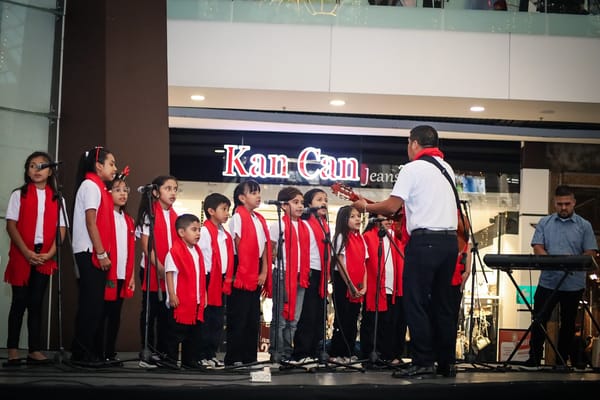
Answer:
(246, 274)
(188, 311)
(18, 268)
(215, 285)
(297, 244)
(356, 254)
(110, 290)
(105, 221)
(373, 266)
(429, 151)
(320, 238)
(161, 242)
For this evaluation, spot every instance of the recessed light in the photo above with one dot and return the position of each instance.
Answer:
(337, 103)
(477, 108)
(197, 97)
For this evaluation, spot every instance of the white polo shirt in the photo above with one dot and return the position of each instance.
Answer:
(429, 200)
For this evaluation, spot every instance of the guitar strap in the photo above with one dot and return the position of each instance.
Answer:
(449, 179)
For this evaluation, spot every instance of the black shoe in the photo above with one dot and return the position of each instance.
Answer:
(415, 372)
(530, 365)
(446, 370)
(192, 365)
(33, 361)
(114, 361)
(13, 362)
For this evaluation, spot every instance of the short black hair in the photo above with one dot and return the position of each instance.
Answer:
(564, 190)
(185, 220)
(213, 201)
(425, 135)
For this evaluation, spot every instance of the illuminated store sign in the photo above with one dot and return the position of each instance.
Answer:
(311, 164)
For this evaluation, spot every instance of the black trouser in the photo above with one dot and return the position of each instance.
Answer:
(30, 298)
(106, 337)
(544, 302)
(211, 333)
(429, 264)
(345, 324)
(92, 282)
(243, 325)
(310, 330)
(186, 335)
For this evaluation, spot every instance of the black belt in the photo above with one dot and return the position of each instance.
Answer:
(423, 231)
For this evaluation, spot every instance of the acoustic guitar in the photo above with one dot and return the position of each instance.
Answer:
(345, 192)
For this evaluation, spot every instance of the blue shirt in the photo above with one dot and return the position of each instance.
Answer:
(570, 236)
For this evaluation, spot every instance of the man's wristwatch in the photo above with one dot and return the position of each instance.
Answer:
(101, 256)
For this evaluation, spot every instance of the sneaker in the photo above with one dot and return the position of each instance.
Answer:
(415, 372)
(146, 365)
(208, 364)
(531, 365)
(217, 363)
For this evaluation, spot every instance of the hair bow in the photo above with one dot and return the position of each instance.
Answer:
(123, 174)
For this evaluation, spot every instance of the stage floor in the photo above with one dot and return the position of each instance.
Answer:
(131, 381)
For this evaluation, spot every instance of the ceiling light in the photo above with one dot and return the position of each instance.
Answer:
(337, 103)
(477, 108)
(197, 97)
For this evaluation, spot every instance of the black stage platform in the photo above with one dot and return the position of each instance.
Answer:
(486, 381)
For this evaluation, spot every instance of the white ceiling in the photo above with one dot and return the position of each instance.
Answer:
(502, 119)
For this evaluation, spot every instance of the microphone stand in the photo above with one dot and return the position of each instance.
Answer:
(59, 357)
(470, 357)
(374, 358)
(279, 295)
(324, 360)
(146, 352)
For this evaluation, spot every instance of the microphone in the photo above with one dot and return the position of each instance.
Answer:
(147, 188)
(379, 219)
(42, 166)
(308, 210)
(275, 203)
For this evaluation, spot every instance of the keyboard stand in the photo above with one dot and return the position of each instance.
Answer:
(534, 319)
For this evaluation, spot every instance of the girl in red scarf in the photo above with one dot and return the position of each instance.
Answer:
(311, 325)
(31, 222)
(120, 282)
(252, 274)
(156, 206)
(290, 241)
(217, 248)
(384, 265)
(349, 282)
(93, 246)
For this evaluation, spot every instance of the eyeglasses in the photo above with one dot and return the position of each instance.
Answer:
(124, 189)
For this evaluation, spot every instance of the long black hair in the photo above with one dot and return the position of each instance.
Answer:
(26, 177)
(87, 163)
(247, 186)
(341, 226)
(146, 202)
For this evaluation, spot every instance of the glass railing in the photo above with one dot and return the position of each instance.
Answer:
(556, 18)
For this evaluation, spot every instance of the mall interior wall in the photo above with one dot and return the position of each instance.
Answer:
(340, 59)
